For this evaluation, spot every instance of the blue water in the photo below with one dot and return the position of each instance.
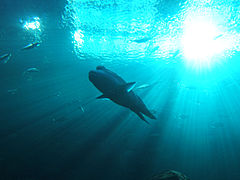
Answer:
(185, 52)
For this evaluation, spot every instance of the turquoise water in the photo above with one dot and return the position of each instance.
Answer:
(185, 55)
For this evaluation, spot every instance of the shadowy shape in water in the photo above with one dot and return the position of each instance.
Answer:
(116, 89)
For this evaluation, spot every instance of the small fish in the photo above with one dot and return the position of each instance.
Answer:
(31, 70)
(81, 108)
(12, 91)
(142, 40)
(217, 37)
(31, 46)
(59, 119)
(183, 117)
(143, 86)
(217, 124)
(5, 57)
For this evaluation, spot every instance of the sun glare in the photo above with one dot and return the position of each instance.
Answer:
(35, 24)
(201, 41)
(78, 36)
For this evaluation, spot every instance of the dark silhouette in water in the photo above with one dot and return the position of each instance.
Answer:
(116, 89)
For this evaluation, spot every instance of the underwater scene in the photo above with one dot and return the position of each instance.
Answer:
(120, 90)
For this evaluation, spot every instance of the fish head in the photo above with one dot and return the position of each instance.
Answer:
(102, 80)
(97, 76)
(100, 68)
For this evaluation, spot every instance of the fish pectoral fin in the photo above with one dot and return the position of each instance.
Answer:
(150, 114)
(129, 86)
(142, 117)
(101, 97)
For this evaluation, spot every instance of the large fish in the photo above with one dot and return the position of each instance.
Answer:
(116, 89)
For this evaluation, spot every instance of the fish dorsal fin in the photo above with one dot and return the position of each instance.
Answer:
(129, 86)
(101, 97)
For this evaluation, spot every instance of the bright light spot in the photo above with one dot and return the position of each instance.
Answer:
(33, 24)
(78, 36)
(201, 41)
